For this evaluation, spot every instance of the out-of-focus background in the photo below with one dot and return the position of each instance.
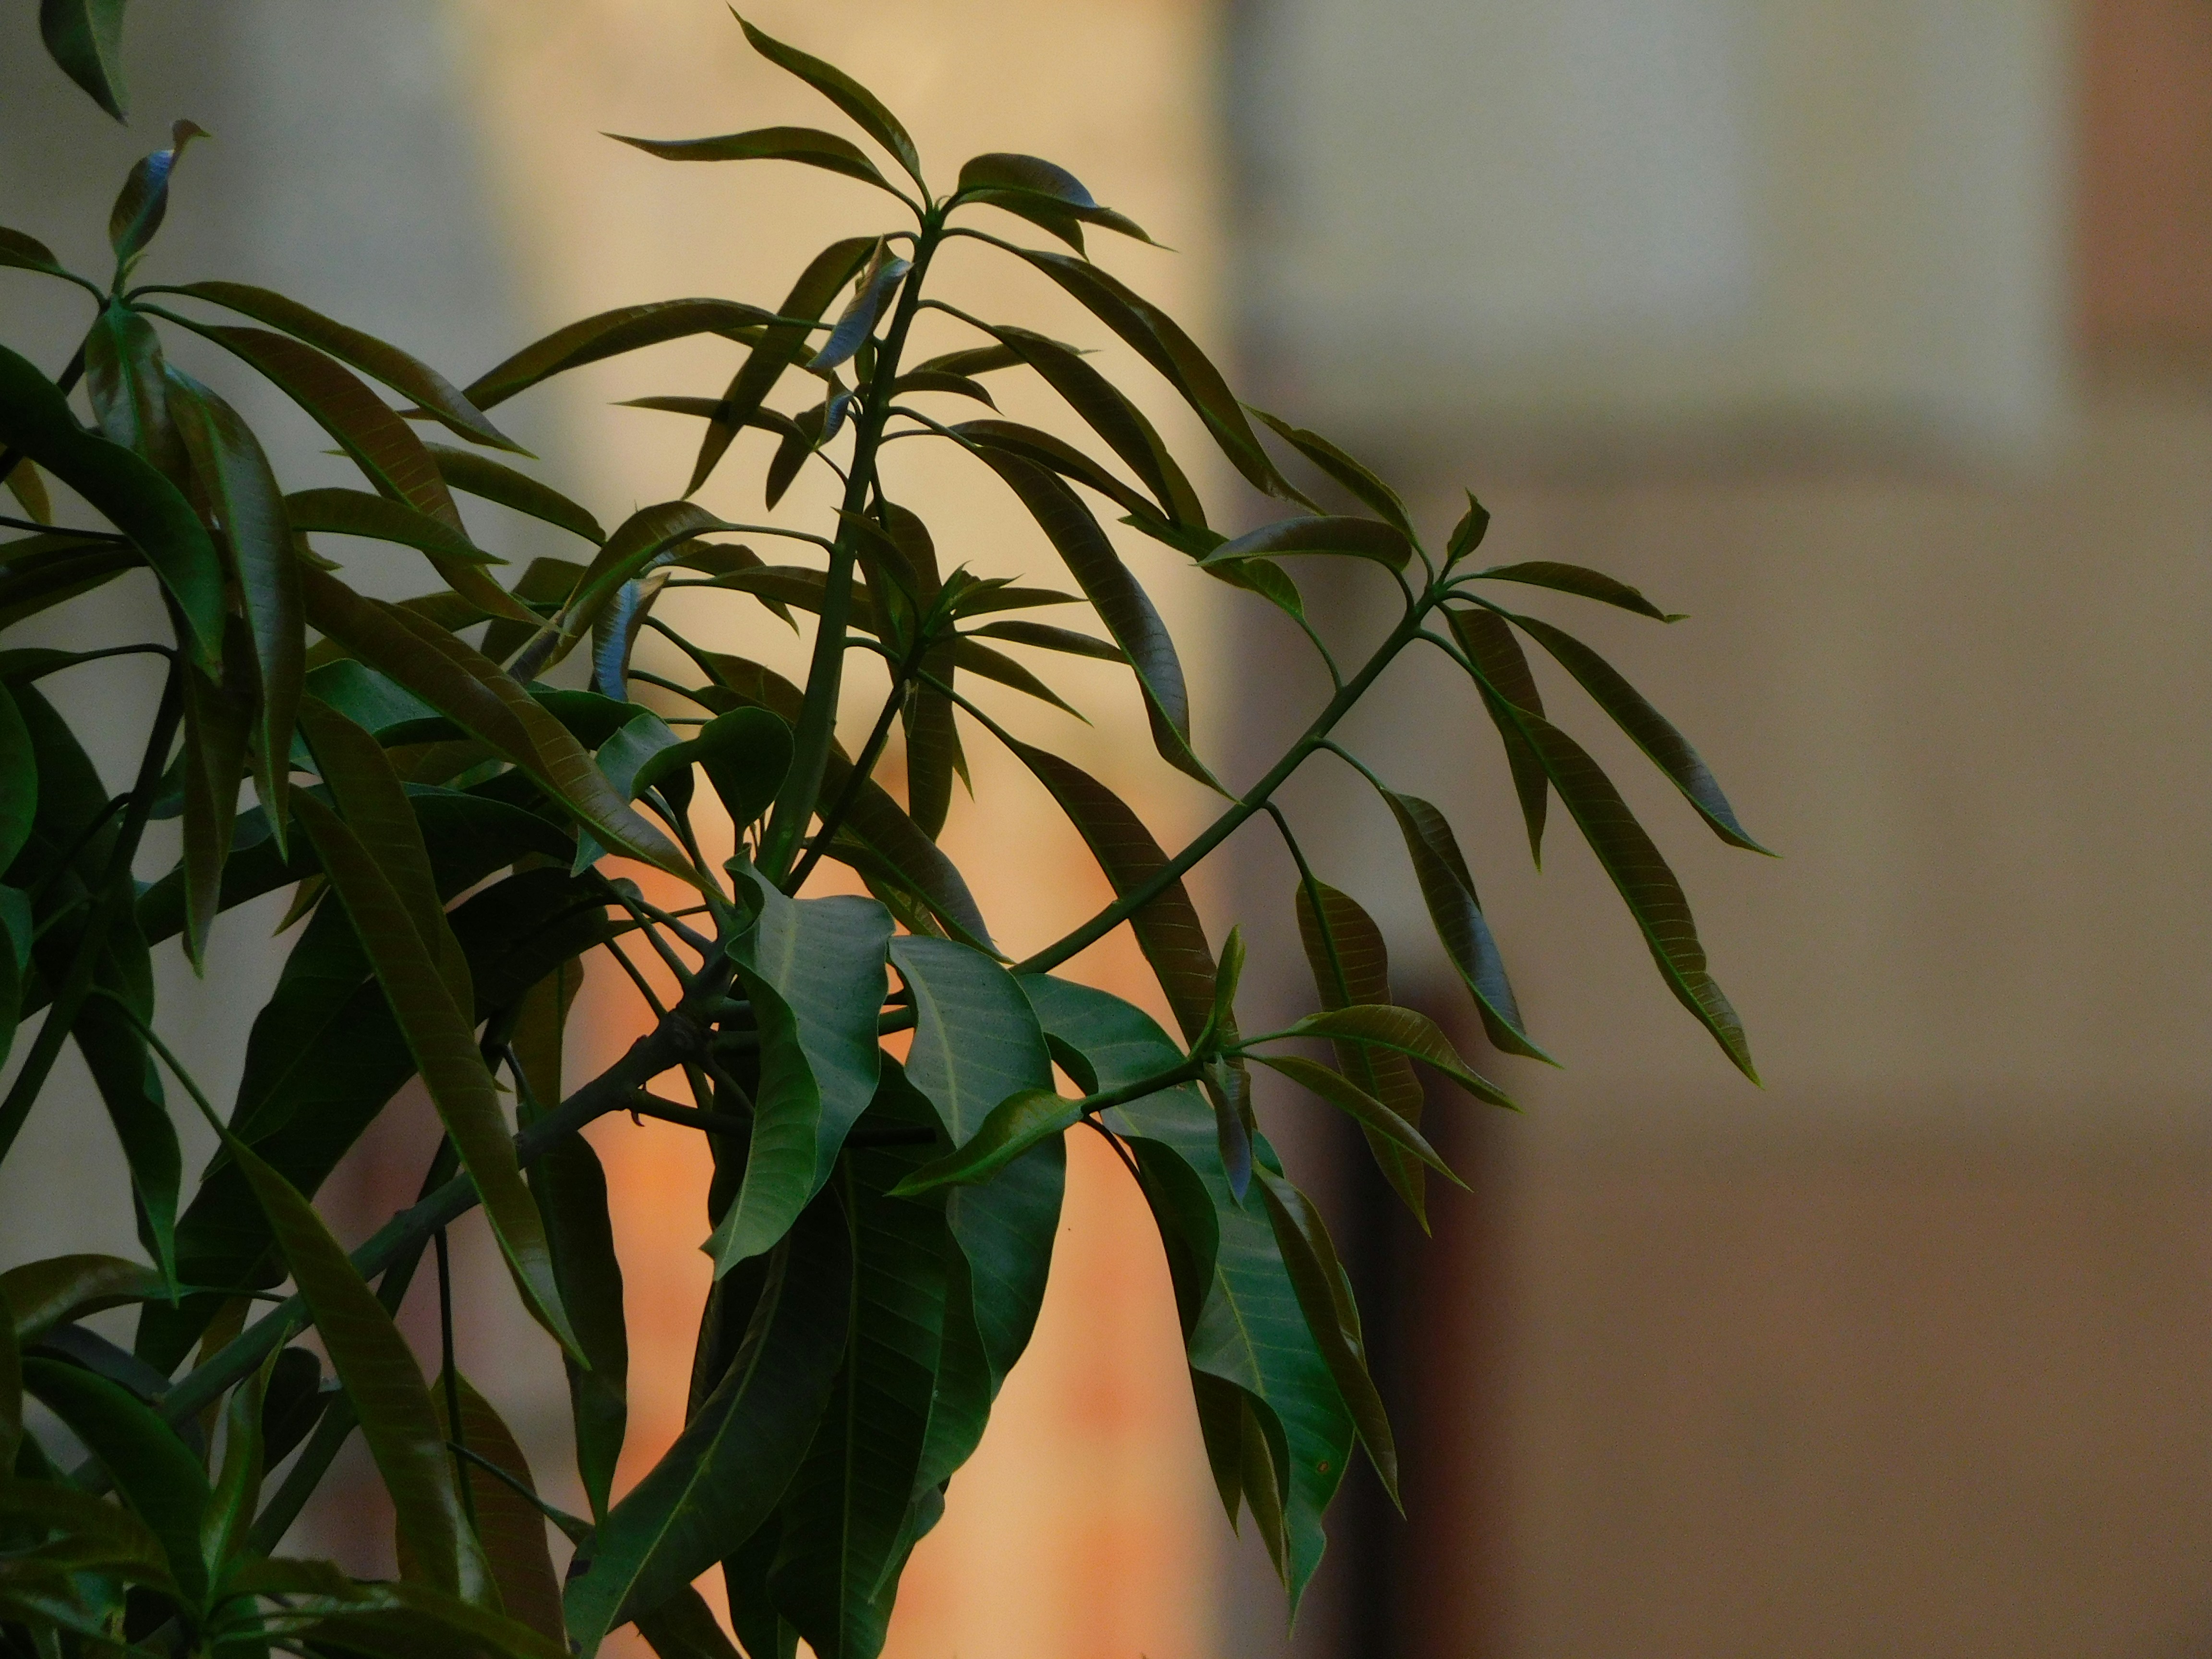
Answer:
(1876, 334)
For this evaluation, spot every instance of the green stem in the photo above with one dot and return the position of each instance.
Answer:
(817, 719)
(863, 768)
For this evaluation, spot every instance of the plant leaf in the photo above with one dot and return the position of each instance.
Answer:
(1648, 888)
(127, 376)
(471, 691)
(1046, 637)
(1405, 1031)
(610, 334)
(229, 460)
(1577, 580)
(379, 518)
(495, 481)
(144, 202)
(1015, 1125)
(643, 540)
(815, 971)
(155, 1471)
(439, 1031)
(779, 347)
(1109, 413)
(85, 37)
(513, 1528)
(1356, 1103)
(1359, 539)
(1484, 636)
(138, 500)
(1351, 967)
(404, 373)
(46, 1293)
(1120, 603)
(809, 145)
(683, 1627)
(849, 96)
(1652, 733)
(1016, 182)
(1369, 491)
(878, 283)
(19, 781)
(1156, 338)
(217, 722)
(730, 1464)
(21, 252)
(236, 1493)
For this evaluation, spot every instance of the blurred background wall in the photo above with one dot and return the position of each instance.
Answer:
(1878, 338)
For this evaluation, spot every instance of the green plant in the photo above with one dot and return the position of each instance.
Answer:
(880, 1230)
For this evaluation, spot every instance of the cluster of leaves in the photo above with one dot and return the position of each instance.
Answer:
(453, 827)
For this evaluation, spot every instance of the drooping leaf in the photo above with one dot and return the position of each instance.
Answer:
(1108, 412)
(977, 1042)
(217, 723)
(744, 753)
(138, 500)
(609, 334)
(45, 1293)
(1057, 455)
(126, 373)
(1046, 637)
(1355, 479)
(741, 1448)
(511, 1527)
(1361, 1107)
(779, 347)
(848, 94)
(495, 481)
(1370, 1027)
(229, 460)
(1013, 1126)
(809, 145)
(236, 1494)
(1645, 883)
(404, 373)
(1652, 733)
(1040, 191)
(85, 37)
(683, 1627)
(979, 660)
(383, 1383)
(472, 691)
(1167, 927)
(1120, 601)
(648, 537)
(1577, 580)
(1359, 539)
(1158, 339)
(438, 1027)
(19, 781)
(154, 1470)
(1489, 643)
(815, 971)
(1448, 891)
(845, 1518)
(381, 519)
(17, 931)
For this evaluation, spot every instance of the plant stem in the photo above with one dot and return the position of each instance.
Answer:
(817, 718)
(871, 752)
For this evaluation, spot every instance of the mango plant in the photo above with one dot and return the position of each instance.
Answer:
(462, 791)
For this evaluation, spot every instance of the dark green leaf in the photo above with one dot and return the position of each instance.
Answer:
(1014, 1126)
(1504, 675)
(114, 1052)
(383, 1383)
(217, 722)
(1167, 927)
(815, 971)
(1448, 892)
(572, 1194)
(1467, 535)
(741, 1448)
(229, 460)
(1575, 579)
(683, 1627)
(44, 1294)
(1333, 1318)
(439, 1030)
(1059, 456)
(11, 1387)
(778, 349)
(1358, 1104)
(144, 202)
(1110, 414)
(495, 481)
(16, 929)
(127, 376)
(379, 518)
(1046, 637)
(1156, 338)
(22, 252)
(959, 386)
(1399, 1031)
(405, 374)
(1359, 539)
(975, 657)
(1670, 751)
(1361, 483)
(236, 1493)
(1120, 603)
(809, 145)
(138, 500)
(610, 334)
(472, 691)
(1015, 181)
(746, 753)
(85, 37)
(19, 781)
(1654, 896)
(648, 537)
(155, 1471)
(511, 1526)
(58, 569)
(1351, 968)
(849, 96)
